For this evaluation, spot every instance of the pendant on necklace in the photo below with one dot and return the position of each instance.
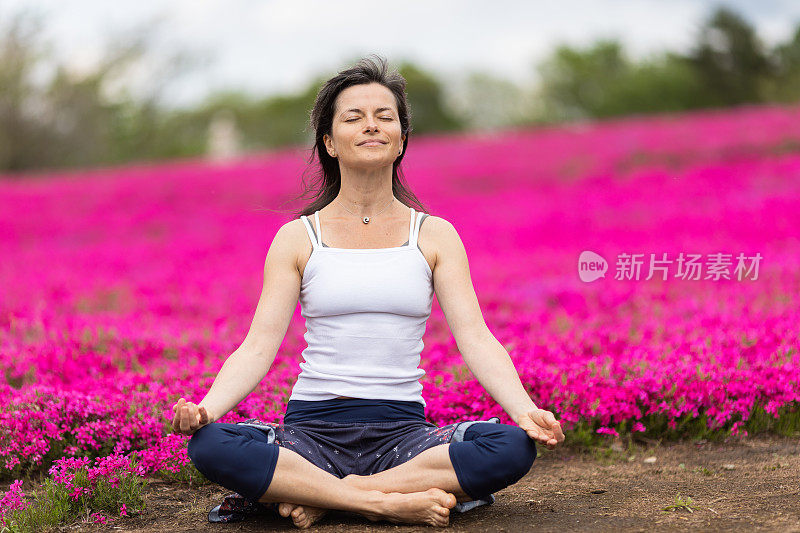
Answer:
(365, 220)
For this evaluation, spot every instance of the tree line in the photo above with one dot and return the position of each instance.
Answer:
(89, 118)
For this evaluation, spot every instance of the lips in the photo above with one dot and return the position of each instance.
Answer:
(377, 141)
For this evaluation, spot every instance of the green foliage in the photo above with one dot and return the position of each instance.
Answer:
(730, 60)
(680, 504)
(52, 507)
(583, 435)
(783, 85)
(82, 122)
(728, 65)
(579, 83)
(188, 474)
(426, 101)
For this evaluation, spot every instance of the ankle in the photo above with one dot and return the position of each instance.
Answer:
(376, 502)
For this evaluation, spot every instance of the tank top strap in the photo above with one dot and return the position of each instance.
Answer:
(319, 231)
(415, 230)
(411, 226)
(310, 232)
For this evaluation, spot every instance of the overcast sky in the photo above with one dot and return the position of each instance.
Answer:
(266, 46)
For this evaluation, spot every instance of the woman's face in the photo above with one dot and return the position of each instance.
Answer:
(362, 113)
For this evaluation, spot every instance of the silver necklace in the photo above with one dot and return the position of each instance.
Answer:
(365, 220)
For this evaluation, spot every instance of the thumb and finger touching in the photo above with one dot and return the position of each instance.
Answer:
(188, 417)
(546, 427)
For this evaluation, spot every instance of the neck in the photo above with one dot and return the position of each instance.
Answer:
(366, 192)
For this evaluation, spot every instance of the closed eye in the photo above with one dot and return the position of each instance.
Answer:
(353, 119)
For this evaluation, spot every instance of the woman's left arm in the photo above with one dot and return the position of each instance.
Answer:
(483, 354)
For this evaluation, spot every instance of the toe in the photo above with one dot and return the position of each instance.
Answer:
(284, 509)
(447, 499)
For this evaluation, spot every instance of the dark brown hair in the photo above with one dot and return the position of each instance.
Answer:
(327, 178)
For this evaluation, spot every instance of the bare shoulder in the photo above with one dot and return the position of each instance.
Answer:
(290, 235)
(438, 224)
(296, 231)
(291, 243)
(439, 229)
(439, 237)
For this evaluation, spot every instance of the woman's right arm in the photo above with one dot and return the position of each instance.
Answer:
(246, 367)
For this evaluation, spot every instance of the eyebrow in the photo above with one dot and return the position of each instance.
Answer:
(355, 109)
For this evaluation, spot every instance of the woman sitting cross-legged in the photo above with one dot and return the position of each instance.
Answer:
(355, 436)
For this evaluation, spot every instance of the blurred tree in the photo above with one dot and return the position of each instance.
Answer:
(664, 82)
(784, 86)
(89, 117)
(426, 101)
(282, 120)
(602, 82)
(730, 59)
(728, 66)
(21, 136)
(578, 84)
(485, 101)
(79, 118)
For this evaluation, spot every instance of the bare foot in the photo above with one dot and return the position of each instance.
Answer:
(429, 507)
(303, 516)
(362, 482)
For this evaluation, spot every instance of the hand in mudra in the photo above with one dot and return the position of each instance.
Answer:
(189, 417)
(543, 427)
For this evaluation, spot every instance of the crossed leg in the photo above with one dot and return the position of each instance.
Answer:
(431, 468)
(492, 456)
(299, 480)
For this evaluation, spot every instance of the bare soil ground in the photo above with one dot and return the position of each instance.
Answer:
(753, 485)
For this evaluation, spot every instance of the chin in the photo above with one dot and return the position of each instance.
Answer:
(372, 162)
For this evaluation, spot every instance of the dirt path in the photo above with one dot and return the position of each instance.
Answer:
(748, 486)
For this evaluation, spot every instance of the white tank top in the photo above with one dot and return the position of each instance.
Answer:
(365, 312)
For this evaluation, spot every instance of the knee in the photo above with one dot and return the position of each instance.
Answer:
(521, 451)
(493, 457)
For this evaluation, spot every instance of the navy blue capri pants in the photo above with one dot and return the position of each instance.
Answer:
(487, 456)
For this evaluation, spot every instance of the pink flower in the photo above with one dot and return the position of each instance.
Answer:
(608, 431)
(98, 518)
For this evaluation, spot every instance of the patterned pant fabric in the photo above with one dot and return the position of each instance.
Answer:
(360, 448)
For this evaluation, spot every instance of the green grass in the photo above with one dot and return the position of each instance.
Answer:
(680, 503)
(52, 507)
(583, 436)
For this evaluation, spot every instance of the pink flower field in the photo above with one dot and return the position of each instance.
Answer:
(123, 289)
